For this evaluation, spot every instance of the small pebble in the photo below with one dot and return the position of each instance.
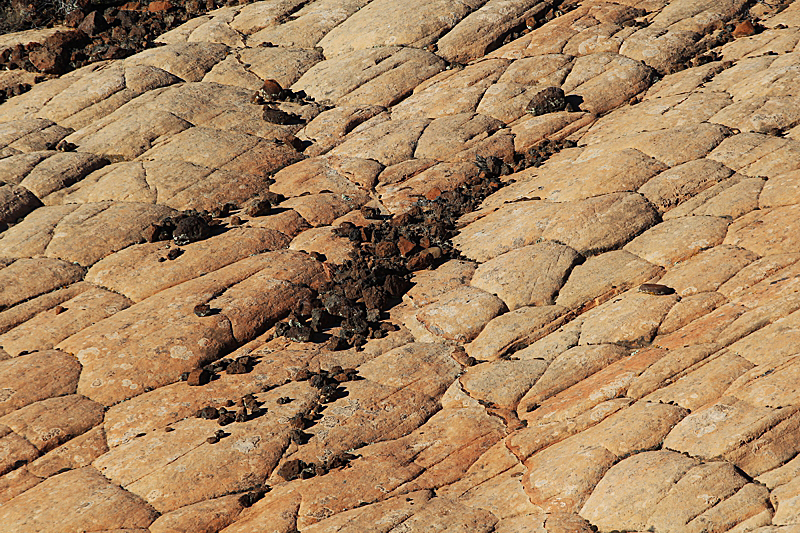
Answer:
(656, 289)
(198, 376)
(744, 29)
(202, 310)
(209, 413)
(291, 469)
(548, 100)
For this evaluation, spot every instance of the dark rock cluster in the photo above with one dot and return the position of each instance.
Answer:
(101, 30)
(378, 272)
(187, 227)
(296, 468)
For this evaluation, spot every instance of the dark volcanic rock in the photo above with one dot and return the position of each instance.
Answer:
(190, 229)
(547, 100)
(198, 376)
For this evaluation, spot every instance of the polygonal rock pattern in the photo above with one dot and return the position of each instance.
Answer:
(16, 202)
(531, 275)
(604, 340)
(460, 314)
(85, 499)
(179, 341)
(38, 376)
(24, 279)
(588, 226)
(81, 234)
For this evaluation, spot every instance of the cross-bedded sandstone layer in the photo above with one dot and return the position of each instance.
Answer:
(607, 341)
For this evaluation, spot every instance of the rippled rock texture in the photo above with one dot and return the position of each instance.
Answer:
(481, 266)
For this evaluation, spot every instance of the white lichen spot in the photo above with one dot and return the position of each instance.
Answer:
(180, 352)
(247, 444)
(88, 352)
(203, 342)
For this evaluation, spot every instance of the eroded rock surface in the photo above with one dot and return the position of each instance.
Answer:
(481, 266)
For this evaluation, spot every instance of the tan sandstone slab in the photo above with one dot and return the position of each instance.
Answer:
(682, 182)
(157, 339)
(502, 383)
(27, 278)
(690, 496)
(188, 61)
(703, 385)
(23, 311)
(767, 231)
(306, 26)
(672, 365)
(707, 270)
(37, 376)
(60, 170)
(48, 328)
(15, 452)
(341, 175)
(603, 275)
(460, 314)
(53, 421)
(384, 24)
(82, 234)
(531, 275)
(592, 174)
(73, 454)
(208, 516)
(77, 499)
(719, 429)
(429, 285)
(400, 390)
(689, 309)
(177, 184)
(372, 76)
(16, 202)
(606, 384)
(178, 468)
(157, 409)
(99, 93)
(233, 151)
(632, 318)
(139, 271)
(678, 239)
(631, 489)
(451, 92)
(387, 142)
(569, 368)
(509, 332)
(588, 226)
(731, 198)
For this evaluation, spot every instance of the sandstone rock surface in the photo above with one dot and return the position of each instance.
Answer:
(333, 266)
